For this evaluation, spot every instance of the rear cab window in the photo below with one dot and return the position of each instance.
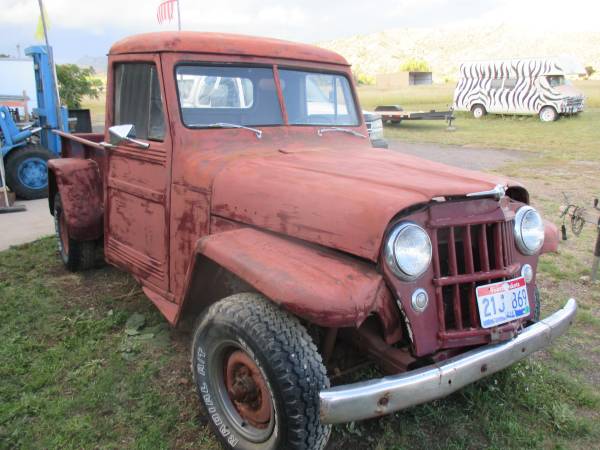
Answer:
(138, 100)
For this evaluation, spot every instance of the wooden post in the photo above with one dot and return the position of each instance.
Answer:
(25, 106)
(596, 262)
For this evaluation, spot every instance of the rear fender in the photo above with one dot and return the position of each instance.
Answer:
(80, 186)
(322, 286)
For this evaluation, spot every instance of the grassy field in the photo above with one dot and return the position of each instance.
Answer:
(75, 372)
(569, 138)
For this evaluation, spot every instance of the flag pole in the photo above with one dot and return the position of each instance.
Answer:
(178, 16)
(43, 17)
(53, 68)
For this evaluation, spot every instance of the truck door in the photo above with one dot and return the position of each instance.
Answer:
(137, 194)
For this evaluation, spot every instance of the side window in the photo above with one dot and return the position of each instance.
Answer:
(496, 83)
(138, 101)
(510, 83)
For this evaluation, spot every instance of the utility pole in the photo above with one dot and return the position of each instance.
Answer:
(178, 16)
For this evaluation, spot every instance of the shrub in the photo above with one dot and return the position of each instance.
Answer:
(415, 65)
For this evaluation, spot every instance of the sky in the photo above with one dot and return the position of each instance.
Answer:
(88, 27)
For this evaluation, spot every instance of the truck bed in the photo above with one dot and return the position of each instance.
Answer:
(84, 146)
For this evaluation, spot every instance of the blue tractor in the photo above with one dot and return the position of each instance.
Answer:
(27, 150)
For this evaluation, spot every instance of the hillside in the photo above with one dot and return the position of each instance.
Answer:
(445, 48)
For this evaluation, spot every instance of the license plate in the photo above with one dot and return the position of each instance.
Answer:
(502, 302)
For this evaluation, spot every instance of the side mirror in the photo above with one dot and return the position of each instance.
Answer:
(120, 133)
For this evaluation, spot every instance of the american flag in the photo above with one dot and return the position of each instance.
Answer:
(165, 11)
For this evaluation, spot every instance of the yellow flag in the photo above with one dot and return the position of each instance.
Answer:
(39, 30)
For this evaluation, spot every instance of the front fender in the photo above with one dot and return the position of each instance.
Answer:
(80, 186)
(551, 238)
(325, 287)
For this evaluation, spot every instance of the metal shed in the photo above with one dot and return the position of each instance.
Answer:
(403, 79)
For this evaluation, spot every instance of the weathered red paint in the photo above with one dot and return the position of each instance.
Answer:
(300, 277)
(297, 216)
(551, 238)
(224, 44)
(80, 187)
(359, 192)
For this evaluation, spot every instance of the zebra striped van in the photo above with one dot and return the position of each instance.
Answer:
(520, 86)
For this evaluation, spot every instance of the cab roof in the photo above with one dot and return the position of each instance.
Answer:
(224, 44)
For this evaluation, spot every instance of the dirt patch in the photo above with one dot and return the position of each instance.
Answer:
(464, 157)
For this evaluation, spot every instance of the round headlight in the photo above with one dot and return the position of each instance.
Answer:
(529, 230)
(408, 251)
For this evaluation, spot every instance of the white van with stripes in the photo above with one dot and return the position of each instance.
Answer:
(519, 86)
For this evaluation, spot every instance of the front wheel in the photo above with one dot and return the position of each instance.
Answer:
(548, 114)
(259, 374)
(478, 111)
(27, 172)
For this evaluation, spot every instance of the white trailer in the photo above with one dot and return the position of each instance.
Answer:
(518, 86)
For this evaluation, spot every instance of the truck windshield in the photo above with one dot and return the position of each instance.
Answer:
(235, 95)
(313, 98)
(556, 80)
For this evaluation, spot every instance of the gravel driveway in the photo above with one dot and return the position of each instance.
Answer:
(465, 157)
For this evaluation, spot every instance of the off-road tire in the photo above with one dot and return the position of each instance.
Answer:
(287, 358)
(548, 114)
(13, 162)
(75, 255)
(478, 111)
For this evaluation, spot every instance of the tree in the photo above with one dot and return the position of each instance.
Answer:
(75, 82)
(415, 65)
(589, 70)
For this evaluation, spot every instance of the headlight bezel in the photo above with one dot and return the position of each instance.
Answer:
(520, 216)
(390, 251)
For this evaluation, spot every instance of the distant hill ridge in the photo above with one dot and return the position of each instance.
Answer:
(445, 48)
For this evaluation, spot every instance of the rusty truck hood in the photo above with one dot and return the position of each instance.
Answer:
(339, 198)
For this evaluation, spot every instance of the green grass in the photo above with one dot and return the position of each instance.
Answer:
(570, 138)
(66, 379)
(71, 377)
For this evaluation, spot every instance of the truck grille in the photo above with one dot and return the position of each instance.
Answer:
(466, 256)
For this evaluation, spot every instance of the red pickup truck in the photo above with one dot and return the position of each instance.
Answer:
(236, 182)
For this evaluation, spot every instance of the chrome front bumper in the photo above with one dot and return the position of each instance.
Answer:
(374, 398)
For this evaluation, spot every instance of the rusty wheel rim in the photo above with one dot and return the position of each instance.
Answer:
(63, 233)
(248, 389)
(243, 393)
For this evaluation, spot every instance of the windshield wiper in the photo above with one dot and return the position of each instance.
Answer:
(229, 125)
(322, 131)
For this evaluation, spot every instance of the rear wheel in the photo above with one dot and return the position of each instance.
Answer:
(478, 111)
(27, 172)
(548, 114)
(259, 374)
(76, 255)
